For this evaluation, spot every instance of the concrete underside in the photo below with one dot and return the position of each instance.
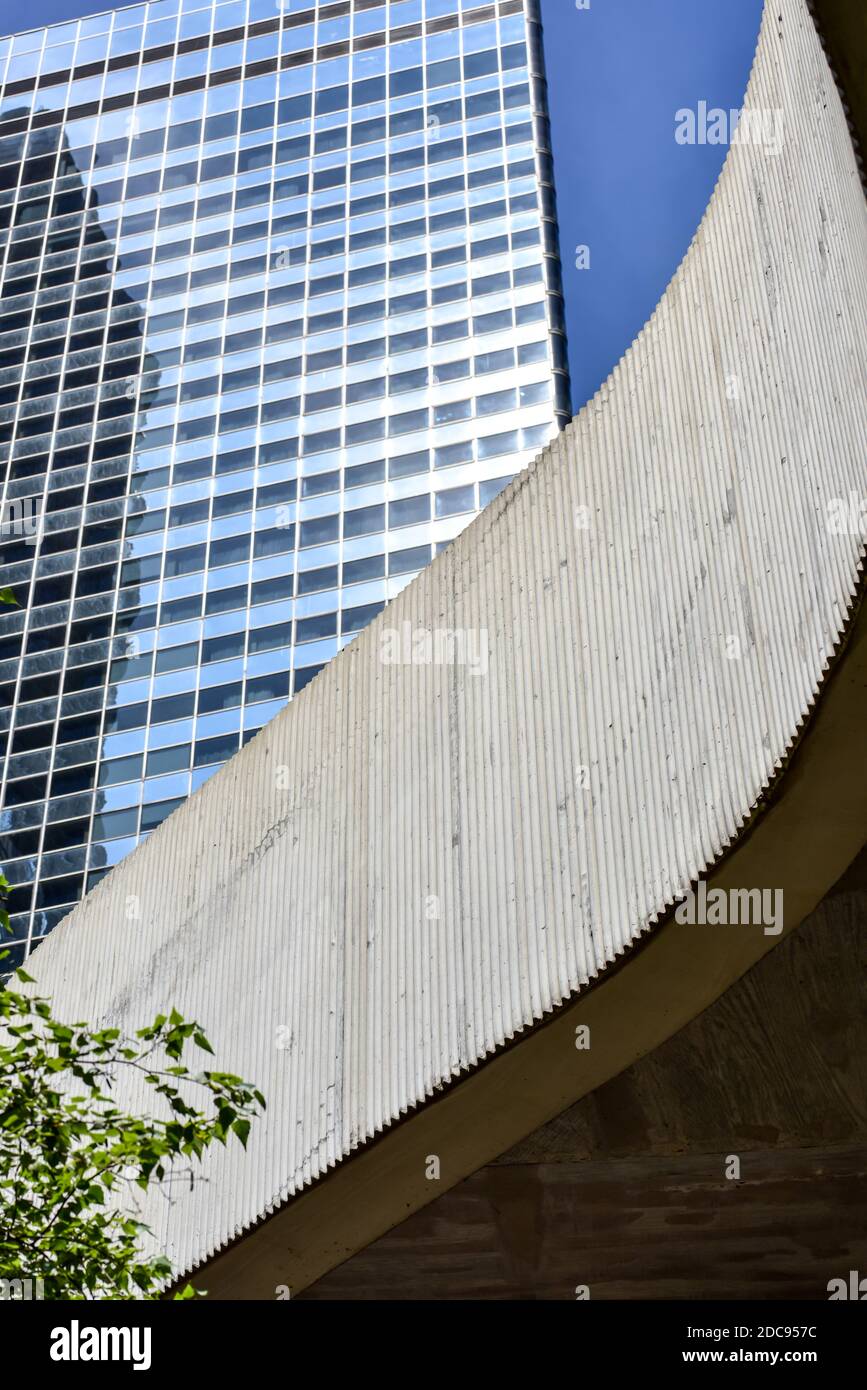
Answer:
(626, 1192)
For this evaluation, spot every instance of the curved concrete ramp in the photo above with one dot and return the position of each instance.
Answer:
(448, 841)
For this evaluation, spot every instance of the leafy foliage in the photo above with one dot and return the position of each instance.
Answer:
(71, 1159)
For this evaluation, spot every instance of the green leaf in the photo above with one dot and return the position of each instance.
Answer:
(75, 1147)
(242, 1129)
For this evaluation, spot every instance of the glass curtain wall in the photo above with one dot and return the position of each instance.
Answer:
(280, 312)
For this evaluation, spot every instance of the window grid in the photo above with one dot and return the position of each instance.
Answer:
(220, 510)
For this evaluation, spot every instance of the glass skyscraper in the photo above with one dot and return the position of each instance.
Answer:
(280, 311)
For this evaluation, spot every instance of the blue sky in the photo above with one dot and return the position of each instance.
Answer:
(618, 71)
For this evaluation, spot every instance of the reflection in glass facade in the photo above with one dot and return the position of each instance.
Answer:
(279, 313)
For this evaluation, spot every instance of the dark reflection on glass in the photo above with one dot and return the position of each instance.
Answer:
(62, 560)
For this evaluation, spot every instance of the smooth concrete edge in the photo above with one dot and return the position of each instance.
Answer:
(802, 839)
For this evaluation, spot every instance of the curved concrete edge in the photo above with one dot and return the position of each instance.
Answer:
(412, 783)
(478, 1118)
(802, 839)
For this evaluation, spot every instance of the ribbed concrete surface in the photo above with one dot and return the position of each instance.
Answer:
(432, 874)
